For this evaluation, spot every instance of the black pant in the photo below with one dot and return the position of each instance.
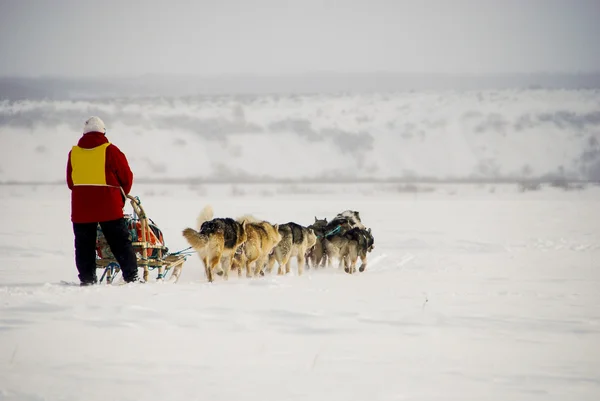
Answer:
(117, 237)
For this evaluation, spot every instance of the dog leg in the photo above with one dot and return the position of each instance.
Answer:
(256, 268)
(228, 263)
(346, 264)
(265, 262)
(235, 264)
(248, 272)
(334, 253)
(283, 261)
(272, 259)
(251, 262)
(213, 262)
(260, 265)
(259, 270)
(240, 262)
(300, 263)
(206, 265)
(323, 259)
(221, 271)
(351, 265)
(288, 265)
(308, 260)
(320, 259)
(363, 263)
(352, 257)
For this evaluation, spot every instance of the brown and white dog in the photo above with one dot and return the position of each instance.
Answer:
(261, 238)
(216, 240)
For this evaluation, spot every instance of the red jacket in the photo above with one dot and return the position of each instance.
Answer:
(90, 204)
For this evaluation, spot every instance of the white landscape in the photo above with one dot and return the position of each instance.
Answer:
(466, 134)
(473, 292)
(431, 134)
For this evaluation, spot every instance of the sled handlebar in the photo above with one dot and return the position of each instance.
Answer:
(135, 202)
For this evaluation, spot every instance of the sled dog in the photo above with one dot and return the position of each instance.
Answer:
(296, 240)
(337, 227)
(351, 245)
(346, 238)
(261, 238)
(316, 255)
(346, 220)
(215, 240)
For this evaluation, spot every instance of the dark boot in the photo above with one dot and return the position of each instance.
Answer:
(85, 252)
(117, 237)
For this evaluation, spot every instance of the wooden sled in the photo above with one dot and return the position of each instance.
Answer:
(148, 244)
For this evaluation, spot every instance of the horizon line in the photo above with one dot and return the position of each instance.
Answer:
(301, 74)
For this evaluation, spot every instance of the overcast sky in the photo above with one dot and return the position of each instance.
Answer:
(106, 37)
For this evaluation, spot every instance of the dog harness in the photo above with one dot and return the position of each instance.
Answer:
(89, 166)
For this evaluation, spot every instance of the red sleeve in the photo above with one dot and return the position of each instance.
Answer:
(69, 172)
(120, 166)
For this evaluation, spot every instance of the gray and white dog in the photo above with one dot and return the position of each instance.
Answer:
(351, 245)
(316, 256)
(345, 238)
(296, 240)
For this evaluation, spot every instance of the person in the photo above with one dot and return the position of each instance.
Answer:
(96, 172)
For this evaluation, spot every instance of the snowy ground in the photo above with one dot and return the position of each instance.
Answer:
(472, 293)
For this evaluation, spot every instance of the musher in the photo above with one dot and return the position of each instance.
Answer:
(96, 172)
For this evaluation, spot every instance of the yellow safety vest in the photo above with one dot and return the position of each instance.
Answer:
(88, 165)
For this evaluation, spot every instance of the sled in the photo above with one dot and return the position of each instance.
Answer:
(148, 245)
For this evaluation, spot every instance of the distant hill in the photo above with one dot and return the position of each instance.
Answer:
(57, 88)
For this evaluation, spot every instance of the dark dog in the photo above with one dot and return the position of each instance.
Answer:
(359, 243)
(316, 255)
(346, 238)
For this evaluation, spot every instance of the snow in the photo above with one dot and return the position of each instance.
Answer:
(487, 134)
(472, 293)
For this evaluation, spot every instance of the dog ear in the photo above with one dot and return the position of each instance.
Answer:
(316, 219)
(276, 227)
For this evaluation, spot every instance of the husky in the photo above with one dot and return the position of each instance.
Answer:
(316, 255)
(346, 220)
(352, 216)
(353, 244)
(335, 230)
(261, 238)
(215, 240)
(296, 240)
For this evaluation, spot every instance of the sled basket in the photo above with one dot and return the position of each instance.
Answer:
(148, 244)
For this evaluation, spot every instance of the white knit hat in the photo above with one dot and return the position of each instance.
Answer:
(94, 124)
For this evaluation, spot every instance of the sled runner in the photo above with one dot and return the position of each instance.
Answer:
(148, 244)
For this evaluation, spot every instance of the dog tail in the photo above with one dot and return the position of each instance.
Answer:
(206, 214)
(248, 218)
(195, 239)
